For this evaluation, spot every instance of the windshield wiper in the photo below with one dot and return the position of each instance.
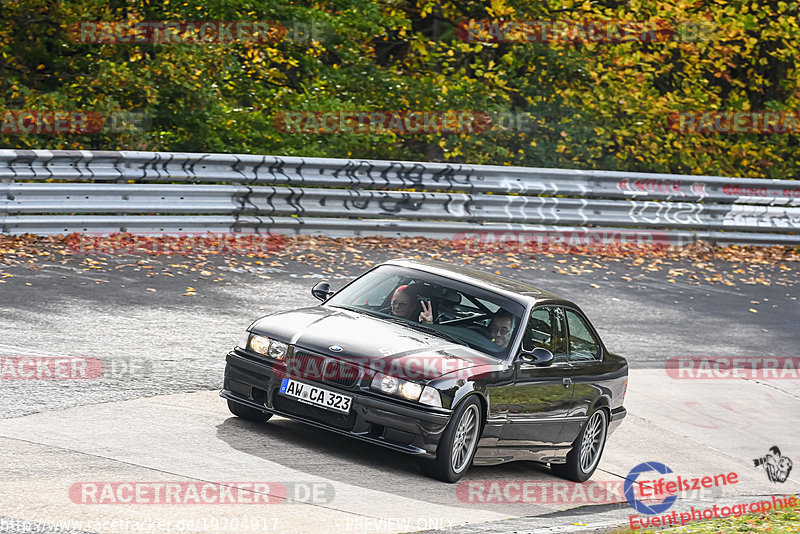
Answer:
(426, 328)
(355, 309)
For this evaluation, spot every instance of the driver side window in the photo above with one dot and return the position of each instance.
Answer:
(545, 329)
(583, 344)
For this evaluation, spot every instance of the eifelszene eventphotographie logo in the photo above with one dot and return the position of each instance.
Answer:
(777, 467)
(630, 484)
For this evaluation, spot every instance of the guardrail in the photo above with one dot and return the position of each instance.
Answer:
(50, 192)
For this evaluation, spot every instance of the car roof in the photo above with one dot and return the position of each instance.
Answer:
(508, 287)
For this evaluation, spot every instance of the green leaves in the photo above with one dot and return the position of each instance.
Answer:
(592, 105)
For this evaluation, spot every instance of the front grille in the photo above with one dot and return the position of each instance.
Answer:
(337, 372)
(322, 369)
(304, 365)
(327, 417)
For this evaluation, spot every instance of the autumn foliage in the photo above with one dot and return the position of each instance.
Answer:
(574, 102)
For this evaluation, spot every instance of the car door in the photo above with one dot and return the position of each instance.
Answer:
(585, 357)
(539, 399)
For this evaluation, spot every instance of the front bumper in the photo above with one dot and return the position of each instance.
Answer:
(255, 383)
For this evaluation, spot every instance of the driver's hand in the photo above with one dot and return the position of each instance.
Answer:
(426, 316)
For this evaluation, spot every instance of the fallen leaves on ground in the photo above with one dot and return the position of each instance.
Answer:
(695, 264)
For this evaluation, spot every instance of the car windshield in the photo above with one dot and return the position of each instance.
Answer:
(459, 312)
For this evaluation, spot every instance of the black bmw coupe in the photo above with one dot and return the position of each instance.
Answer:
(451, 364)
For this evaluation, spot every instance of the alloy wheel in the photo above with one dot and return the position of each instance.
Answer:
(593, 438)
(465, 439)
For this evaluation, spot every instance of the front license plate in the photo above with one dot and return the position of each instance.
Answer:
(324, 398)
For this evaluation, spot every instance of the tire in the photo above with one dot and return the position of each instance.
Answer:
(458, 443)
(248, 413)
(586, 451)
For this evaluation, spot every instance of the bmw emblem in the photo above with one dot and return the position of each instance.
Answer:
(335, 348)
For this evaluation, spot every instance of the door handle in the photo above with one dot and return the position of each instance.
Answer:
(567, 382)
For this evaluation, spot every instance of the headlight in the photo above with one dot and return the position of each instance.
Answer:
(278, 350)
(391, 385)
(260, 344)
(268, 347)
(410, 390)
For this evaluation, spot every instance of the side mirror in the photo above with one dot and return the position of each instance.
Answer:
(322, 291)
(539, 357)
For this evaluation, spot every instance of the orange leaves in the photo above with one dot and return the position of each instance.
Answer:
(694, 264)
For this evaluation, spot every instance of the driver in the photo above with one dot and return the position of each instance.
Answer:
(500, 328)
(404, 304)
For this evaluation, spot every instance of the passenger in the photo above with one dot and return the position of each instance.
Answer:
(404, 304)
(500, 328)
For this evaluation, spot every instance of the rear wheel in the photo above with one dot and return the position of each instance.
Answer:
(458, 444)
(248, 413)
(587, 448)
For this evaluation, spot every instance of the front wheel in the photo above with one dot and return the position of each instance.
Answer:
(248, 413)
(458, 444)
(586, 450)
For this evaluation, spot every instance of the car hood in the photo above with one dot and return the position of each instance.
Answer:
(377, 344)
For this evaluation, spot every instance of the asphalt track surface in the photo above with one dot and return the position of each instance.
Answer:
(155, 413)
